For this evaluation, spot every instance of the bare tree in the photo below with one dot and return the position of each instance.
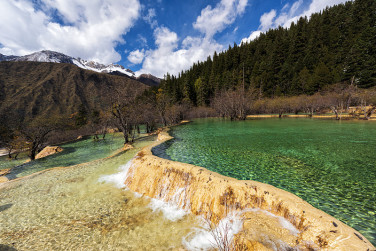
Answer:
(12, 141)
(149, 117)
(37, 131)
(123, 103)
(312, 103)
(163, 102)
(234, 103)
(278, 105)
(367, 101)
(340, 98)
(175, 113)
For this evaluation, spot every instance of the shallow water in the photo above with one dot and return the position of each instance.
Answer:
(74, 153)
(330, 164)
(68, 209)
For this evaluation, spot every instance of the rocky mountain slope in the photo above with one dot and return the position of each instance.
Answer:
(34, 89)
(57, 57)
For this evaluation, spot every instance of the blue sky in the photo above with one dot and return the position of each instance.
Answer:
(145, 36)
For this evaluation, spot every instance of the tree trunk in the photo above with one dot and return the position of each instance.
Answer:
(369, 113)
(335, 111)
(33, 152)
(164, 121)
(126, 138)
(147, 127)
(311, 113)
(10, 153)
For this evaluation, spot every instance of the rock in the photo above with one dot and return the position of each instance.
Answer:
(4, 172)
(48, 150)
(3, 179)
(112, 130)
(163, 136)
(127, 147)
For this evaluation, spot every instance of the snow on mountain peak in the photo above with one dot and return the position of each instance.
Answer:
(57, 57)
(45, 56)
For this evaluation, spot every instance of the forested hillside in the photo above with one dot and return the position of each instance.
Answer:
(336, 45)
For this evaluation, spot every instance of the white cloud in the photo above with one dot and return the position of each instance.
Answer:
(142, 40)
(213, 20)
(150, 18)
(289, 14)
(91, 29)
(318, 5)
(167, 58)
(164, 38)
(20, 37)
(266, 20)
(137, 56)
(253, 36)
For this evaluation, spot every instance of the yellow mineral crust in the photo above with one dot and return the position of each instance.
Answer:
(48, 150)
(212, 195)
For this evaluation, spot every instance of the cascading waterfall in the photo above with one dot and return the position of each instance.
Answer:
(177, 207)
(118, 178)
(211, 236)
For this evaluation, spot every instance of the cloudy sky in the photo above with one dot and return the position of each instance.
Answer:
(146, 36)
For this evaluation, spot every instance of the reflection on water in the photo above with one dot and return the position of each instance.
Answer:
(68, 209)
(328, 163)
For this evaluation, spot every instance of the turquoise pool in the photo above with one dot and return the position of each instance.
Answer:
(331, 164)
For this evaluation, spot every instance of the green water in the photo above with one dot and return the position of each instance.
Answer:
(74, 153)
(68, 209)
(328, 163)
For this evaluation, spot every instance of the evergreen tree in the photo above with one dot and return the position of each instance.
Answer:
(330, 47)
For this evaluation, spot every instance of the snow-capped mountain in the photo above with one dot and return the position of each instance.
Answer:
(45, 56)
(6, 58)
(94, 66)
(57, 57)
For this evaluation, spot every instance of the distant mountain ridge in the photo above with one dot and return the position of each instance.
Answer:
(57, 57)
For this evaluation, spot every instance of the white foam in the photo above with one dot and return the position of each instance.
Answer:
(137, 195)
(170, 210)
(206, 238)
(287, 225)
(118, 179)
(284, 223)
